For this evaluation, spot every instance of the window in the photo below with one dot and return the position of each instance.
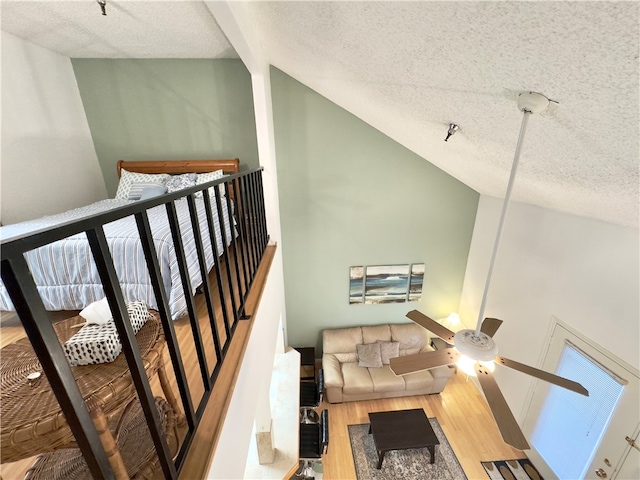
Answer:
(570, 426)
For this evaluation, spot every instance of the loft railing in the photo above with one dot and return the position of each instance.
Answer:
(225, 289)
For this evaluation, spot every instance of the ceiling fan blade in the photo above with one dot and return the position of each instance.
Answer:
(490, 326)
(423, 361)
(431, 325)
(509, 428)
(542, 375)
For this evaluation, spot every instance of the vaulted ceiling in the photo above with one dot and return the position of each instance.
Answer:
(411, 68)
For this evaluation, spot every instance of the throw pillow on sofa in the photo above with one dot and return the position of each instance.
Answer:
(369, 355)
(389, 350)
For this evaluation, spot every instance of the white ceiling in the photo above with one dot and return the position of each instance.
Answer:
(411, 68)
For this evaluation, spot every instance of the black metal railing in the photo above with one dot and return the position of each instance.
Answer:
(233, 273)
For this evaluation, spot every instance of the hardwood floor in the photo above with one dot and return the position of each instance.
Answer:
(460, 410)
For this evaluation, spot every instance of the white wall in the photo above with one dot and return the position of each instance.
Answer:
(266, 337)
(230, 457)
(583, 271)
(49, 163)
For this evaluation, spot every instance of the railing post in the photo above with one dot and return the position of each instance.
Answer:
(113, 292)
(39, 329)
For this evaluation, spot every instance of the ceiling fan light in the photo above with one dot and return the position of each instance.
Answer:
(476, 345)
(490, 365)
(466, 364)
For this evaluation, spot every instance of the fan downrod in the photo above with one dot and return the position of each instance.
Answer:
(477, 346)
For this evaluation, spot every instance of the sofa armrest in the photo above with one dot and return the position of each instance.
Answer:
(441, 372)
(440, 376)
(332, 371)
(333, 380)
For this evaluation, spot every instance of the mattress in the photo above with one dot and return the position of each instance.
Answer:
(65, 273)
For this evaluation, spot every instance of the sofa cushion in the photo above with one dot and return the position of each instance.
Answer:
(418, 380)
(356, 379)
(412, 337)
(389, 350)
(369, 355)
(384, 380)
(376, 333)
(341, 340)
(347, 357)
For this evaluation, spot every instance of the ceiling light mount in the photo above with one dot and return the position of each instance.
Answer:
(103, 6)
(453, 128)
(532, 102)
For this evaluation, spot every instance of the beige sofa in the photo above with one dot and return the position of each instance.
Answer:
(345, 380)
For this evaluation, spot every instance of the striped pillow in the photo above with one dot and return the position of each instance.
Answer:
(129, 178)
(139, 188)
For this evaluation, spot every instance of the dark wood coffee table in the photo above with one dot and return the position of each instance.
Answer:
(401, 430)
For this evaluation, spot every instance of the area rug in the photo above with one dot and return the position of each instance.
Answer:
(403, 464)
(519, 469)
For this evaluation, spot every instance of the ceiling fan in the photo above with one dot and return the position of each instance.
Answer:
(475, 351)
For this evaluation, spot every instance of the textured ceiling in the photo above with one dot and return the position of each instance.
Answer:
(131, 29)
(411, 68)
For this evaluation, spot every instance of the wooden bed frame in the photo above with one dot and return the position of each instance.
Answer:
(179, 166)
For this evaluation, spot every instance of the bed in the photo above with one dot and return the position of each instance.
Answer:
(64, 271)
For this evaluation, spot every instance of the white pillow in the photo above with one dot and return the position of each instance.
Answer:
(210, 177)
(129, 178)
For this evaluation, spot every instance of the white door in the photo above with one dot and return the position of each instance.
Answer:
(614, 456)
(629, 467)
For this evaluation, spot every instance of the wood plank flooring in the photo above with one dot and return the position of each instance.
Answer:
(460, 410)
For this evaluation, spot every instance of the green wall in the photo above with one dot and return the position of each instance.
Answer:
(349, 196)
(167, 109)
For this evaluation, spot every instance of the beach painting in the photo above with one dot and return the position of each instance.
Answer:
(356, 285)
(415, 282)
(386, 284)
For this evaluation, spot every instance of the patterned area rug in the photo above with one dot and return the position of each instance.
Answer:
(403, 464)
(520, 469)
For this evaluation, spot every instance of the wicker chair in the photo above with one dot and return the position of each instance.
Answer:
(32, 419)
(134, 442)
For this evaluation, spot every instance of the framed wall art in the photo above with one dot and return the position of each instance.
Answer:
(416, 281)
(375, 284)
(356, 285)
(386, 284)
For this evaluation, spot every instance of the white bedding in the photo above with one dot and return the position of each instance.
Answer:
(65, 272)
